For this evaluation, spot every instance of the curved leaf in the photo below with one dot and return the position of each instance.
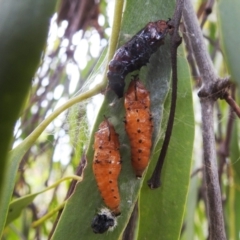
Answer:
(23, 30)
(228, 16)
(17, 205)
(156, 206)
(233, 208)
(76, 218)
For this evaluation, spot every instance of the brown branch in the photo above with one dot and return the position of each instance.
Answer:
(219, 89)
(207, 11)
(190, 57)
(154, 181)
(219, 126)
(196, 171)
(215, 89)
(209, 78)
(224, 149)
(232, 103)
(79, 172)
(130, 231)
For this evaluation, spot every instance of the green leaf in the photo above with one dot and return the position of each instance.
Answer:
(23, 30)
(228, 17)
(200, 221)
(156, 206)
(233, 206)
(17, 205)
(235, 151)
(81, 208)
(190, 209)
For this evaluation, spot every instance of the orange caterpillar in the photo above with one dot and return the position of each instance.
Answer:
(138, 125)
(107, 165)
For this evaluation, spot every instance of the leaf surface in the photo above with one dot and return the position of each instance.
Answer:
(162, 209)
(228, 17)
(75, 221)
(23, 30)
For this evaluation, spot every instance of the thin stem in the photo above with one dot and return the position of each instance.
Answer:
(117, 20)
(79, 172)
(154, 181)
(118, 10)
(195, 36)
(190, 57)
(27, 143)
(209, 77)
(233, 104)
(207, 11)
(71, 189)
(77, 178)
(48, 215)
(130, 231)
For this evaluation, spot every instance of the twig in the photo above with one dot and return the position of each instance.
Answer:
(209, 78)
(71, 189)
(216, 46)
(223, 151)
(232, 103)
(219, 127)
(207, 11)
(154, 181)
(220, 90)
(130, 231)
(190, 57)
(196, 171)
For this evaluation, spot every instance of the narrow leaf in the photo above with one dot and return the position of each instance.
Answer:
(156, 206)
(17, 205)
(228, 16)
(75, 221)
(234, 185)
(23, 30)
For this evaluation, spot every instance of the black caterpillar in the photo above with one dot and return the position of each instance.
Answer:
(135, 53)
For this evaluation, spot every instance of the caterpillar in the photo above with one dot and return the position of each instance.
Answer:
(135, 53)
(107, 165)
(103, 221)
(138, 125)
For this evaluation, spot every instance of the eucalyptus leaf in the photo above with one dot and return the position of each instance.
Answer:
(228, 16)
(16, 207)
(23, 30)
(156, 206)
(76, 218)
(234, 188)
